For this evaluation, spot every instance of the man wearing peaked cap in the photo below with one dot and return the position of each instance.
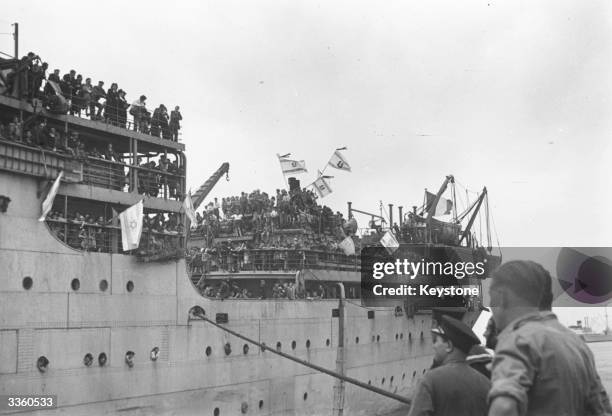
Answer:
(453, 388)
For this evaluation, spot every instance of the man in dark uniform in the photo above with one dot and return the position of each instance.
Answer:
(540, 367)
(453, 388)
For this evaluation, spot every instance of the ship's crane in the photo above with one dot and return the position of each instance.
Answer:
(207, 186)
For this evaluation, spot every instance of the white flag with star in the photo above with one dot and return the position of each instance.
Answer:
(131, 226)
(338, 161)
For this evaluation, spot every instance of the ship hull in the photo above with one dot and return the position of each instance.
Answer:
(597, 337)
(64, 322)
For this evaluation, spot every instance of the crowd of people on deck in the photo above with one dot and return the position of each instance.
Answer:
(233, 289)
(255, 231)
(260, 215)
(74, 94)
(160, 233)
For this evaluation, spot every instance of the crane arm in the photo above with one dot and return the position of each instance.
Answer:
(478, 203)
(207, 186)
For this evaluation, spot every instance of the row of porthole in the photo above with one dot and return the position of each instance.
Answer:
(75, 284)
(382, 382)
(376, 338)
(43, 362)
(227, 347)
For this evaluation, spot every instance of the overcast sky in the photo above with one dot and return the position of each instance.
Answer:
(515, 96)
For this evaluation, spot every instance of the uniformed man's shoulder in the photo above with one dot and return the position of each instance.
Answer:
(462, 370)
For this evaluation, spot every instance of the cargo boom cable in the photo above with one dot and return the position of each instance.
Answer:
(264, 347)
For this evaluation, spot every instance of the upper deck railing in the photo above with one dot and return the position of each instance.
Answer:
(37, 161)
(270, 260)
(100, 126)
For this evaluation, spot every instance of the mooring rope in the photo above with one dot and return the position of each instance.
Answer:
(351, 380)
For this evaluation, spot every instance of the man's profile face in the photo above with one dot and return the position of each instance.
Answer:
(441, 349)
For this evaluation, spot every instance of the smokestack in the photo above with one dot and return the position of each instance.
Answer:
(390, 215)
(401, 217)
(350, 209)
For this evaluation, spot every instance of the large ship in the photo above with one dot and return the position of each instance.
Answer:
(152, 331)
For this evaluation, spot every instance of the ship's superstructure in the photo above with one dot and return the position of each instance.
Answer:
(108, 330)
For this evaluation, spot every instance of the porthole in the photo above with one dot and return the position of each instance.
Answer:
(88, 360)
(245, 349)
(414, 374)
(278, 346)
(327, 342)
(396, 337)
(391, 380)
(27, 283)
(293, 345)
(42, 364)
(369, 382)
(383, 381)
(305, 396)
(410, 336)
(424, 370)
(373, 338)
(307, 343)
(227, 348)
(75, 284)
(244, 408)
(102, 359)
(402, 335)
(377, 338)
(154, 355)
(129, 286)
(356, 340)
(103, 285)
(404, 376)
(261, 403)
(129, 358)
(422, 336)
(208, 351)
(216, 412)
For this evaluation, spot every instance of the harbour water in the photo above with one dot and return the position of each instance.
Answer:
(603, 359)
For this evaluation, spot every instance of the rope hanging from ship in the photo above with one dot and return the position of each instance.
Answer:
(198, 313)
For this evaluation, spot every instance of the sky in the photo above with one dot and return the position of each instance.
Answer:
(515, 96)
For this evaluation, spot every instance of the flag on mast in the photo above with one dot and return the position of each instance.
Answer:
(131, 226)
(338, 161)
(322, 187)
(389, 242)
(444, 206)
(48, 202)
(189, 210)
(290, 165)
(348, 246)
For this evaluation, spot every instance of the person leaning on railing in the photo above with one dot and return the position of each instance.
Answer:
(111, 106)
(175, 125)
(96, 94)
(138, 110)
(122, 106)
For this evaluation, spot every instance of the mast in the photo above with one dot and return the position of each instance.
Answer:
(16, 38)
